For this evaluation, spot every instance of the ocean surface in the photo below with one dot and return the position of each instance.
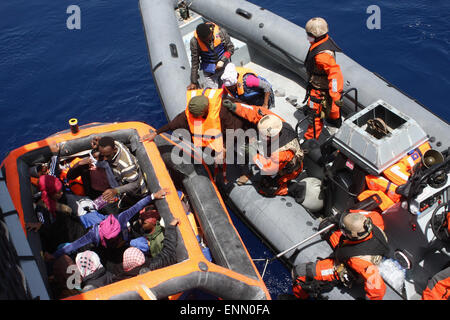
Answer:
(101, 72)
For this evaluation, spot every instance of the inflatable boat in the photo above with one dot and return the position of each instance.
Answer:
(211, 259)
(338, 164)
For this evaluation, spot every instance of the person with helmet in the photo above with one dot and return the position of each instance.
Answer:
(325, 83)
(359, 244)
(279, 158)
(211, 49)
(244, 85)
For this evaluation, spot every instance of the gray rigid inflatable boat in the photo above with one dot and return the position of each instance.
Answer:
(263, 42)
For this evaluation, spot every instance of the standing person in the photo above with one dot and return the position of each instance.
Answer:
(359, 244)
(325, 83)
(211, 49)
(206, 119)
(244, 85)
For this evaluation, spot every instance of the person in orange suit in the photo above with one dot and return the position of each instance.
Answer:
(281, 158)
(438, 287)
(359, 244)
(325, 83)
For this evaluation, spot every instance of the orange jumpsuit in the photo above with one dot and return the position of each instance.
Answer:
(325, 62)
(438, 287)
(278, 160)
(374, 285)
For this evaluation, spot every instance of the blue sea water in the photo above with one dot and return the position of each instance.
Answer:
(101, 73)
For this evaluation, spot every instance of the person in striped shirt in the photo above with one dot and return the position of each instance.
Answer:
(125, 168)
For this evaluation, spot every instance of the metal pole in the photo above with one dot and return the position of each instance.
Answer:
(303, 241)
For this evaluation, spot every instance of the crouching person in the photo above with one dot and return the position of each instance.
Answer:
(359, 244)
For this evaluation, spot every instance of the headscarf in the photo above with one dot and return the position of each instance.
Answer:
(87, 262)
(229, 76)
(132, 258)
(108, 229)
(149, 215)
(49, 185)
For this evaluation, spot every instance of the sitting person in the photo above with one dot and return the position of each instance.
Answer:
(93, 274)
(359, 244)
(61, 277)
(135, 262)
(96, 176)
(125, 169)
(244, 85)
(56, 223)
(112, 233)
(148, 225)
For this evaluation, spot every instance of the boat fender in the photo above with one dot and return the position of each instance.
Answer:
(311, 188)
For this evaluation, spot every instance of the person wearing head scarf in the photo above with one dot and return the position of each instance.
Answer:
(135, 262)
(111, 232)
(56, 223)
(148, 226)
(51, 192)
(92, 273)
(244, 85)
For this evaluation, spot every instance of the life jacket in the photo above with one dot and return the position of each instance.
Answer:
(400, 172)
(386, 202)
(206, 132)
(381, 184)
(287, 141)
(75, 185)
(271, 185)
(318, 78)
(210, 57)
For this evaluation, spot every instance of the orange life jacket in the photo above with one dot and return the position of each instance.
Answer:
(217, 39)
(240, 80)
(386, 202)
(381, 184)
(75, 185)
(206, 132)
(400, 172)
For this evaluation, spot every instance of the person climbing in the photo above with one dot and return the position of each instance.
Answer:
(244, 85)
(359, 244)
(211, 49)
(325, 80)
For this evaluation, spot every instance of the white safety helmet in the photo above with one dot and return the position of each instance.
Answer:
(316, 27)
(270, 126)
